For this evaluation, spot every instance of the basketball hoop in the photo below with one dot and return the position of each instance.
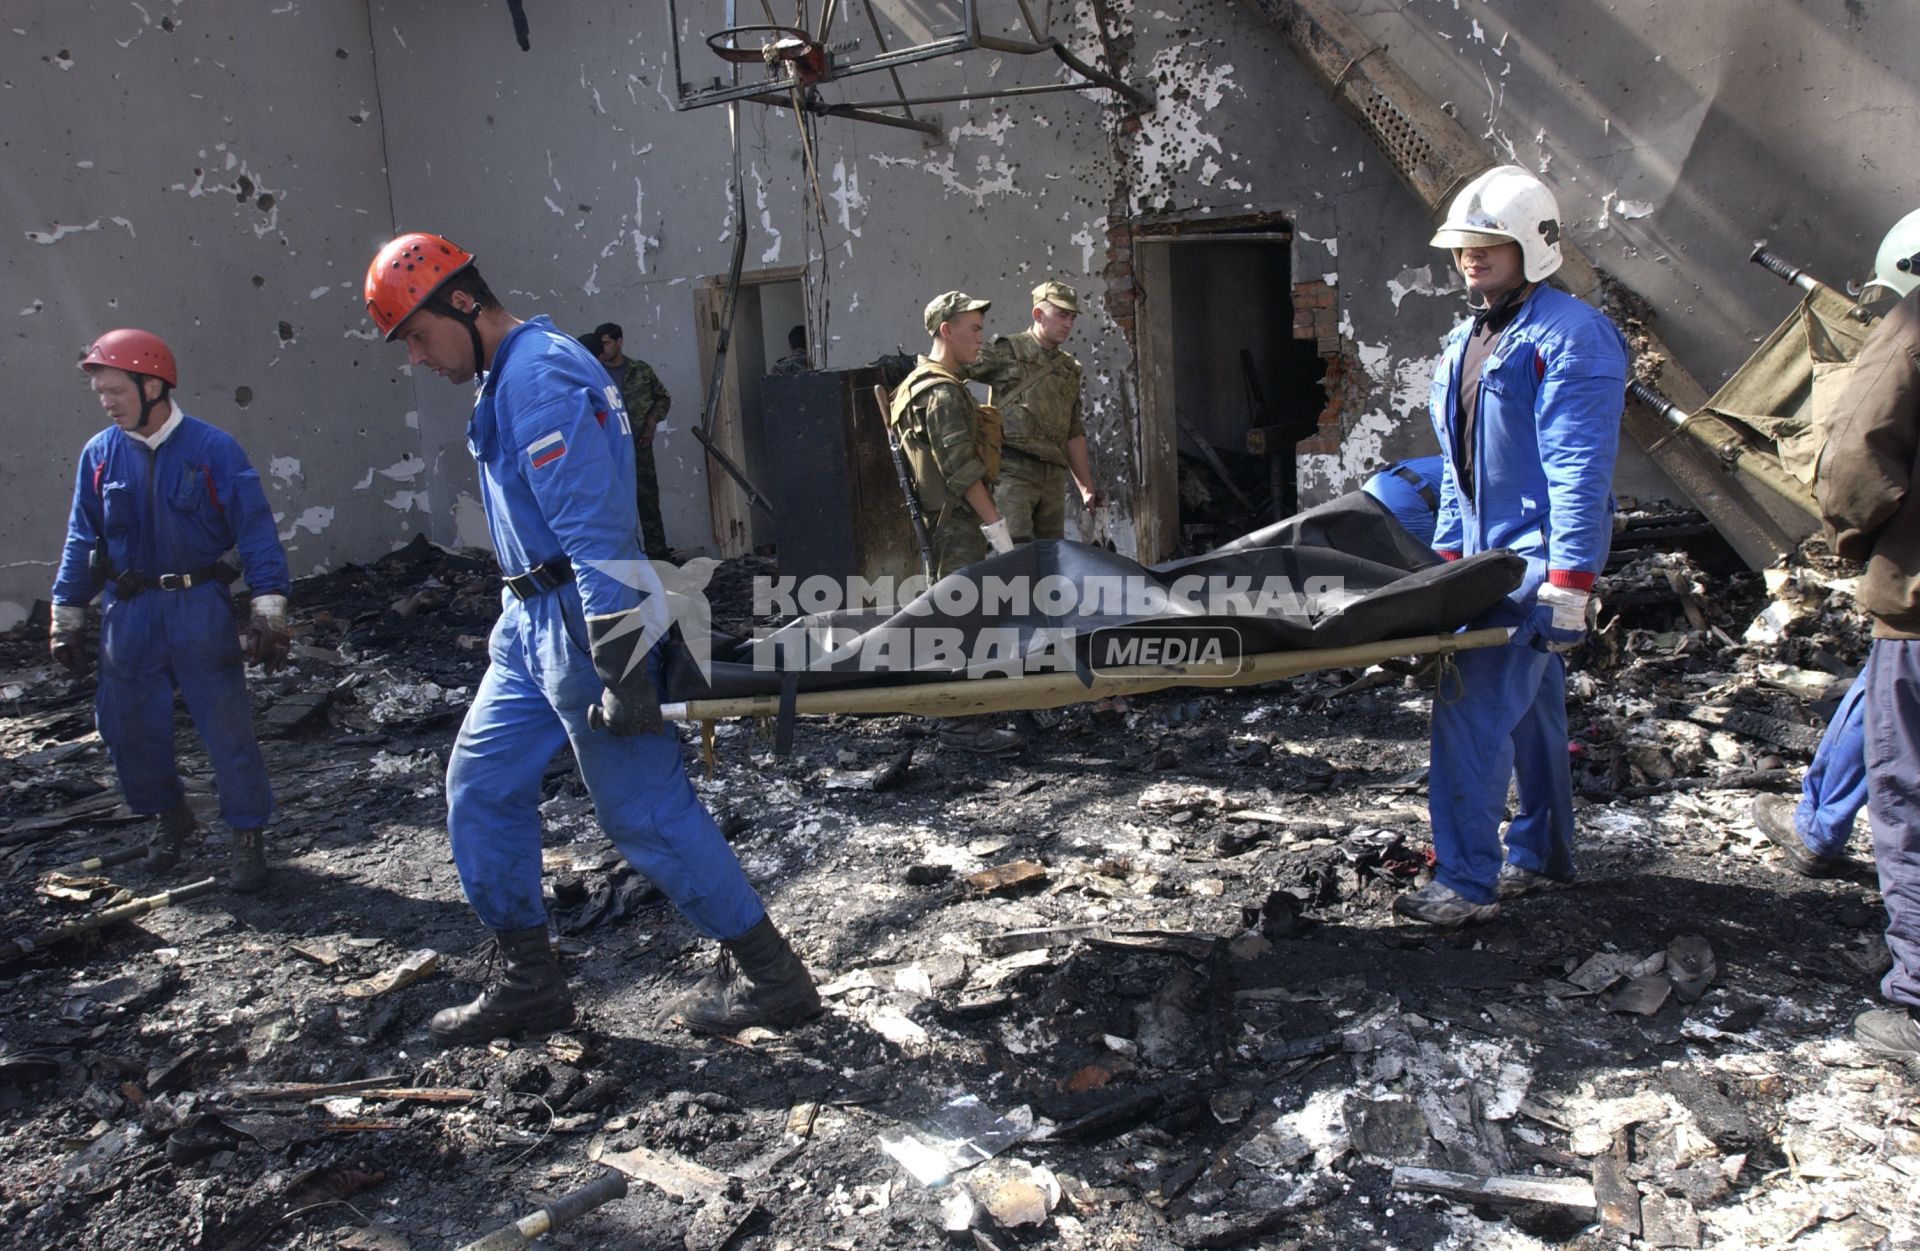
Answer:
(775, 44)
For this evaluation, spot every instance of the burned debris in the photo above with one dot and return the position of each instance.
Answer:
(1136, 986)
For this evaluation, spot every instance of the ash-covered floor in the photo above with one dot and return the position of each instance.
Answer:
(1147, 965)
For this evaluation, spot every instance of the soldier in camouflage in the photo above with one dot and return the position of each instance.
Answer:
(647, 402)
(952, 447)
(1036, 387)
(795, 361)
(948, 439)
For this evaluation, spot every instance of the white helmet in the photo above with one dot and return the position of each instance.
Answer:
(1506, 204)
(1897, 265)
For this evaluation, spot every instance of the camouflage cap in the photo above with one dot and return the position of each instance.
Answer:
(947, 306)
(1058, 294)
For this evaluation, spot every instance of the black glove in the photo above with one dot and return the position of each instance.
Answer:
(629, 706)
(67, 641)
(70, 652)
(266, 646)
(267, 638)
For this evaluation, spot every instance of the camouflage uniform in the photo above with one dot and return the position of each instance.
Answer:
(647, 402)
(1032, 489)
(791, 363)
(939, 430)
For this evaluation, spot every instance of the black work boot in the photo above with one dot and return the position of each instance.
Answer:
(526, 995)
(247, 870)
(758, 981)
(170, 830)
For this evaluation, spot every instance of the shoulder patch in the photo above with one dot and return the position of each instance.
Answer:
(544, 451)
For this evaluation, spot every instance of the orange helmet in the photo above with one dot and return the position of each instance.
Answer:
(134, 351)
(406, 273)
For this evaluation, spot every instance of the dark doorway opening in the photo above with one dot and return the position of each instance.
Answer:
(1229, 387)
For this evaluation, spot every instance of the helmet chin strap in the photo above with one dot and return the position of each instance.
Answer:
(470, 319)
(146, 405)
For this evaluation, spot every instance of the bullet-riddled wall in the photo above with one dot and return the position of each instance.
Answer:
(219, 171)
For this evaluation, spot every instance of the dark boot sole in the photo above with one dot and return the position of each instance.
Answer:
(542, 1026)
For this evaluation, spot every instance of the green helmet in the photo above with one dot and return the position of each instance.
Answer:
(1897, 265)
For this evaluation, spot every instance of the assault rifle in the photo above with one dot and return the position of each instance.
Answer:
(918, 518)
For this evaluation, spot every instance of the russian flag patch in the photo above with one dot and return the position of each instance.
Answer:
(545, 451)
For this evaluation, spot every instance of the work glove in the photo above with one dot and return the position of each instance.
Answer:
(68, 640)
(998, 537)
(1565, 610)
(629, 705)
(267, 639)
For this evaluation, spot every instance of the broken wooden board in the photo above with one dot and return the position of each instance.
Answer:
(681, 1178)
(1772, 730)
(1474, 1188)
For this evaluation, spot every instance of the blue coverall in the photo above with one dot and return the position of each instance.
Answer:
(1542, 450)
(1412, 503)
(555, 455)
(1835, 788)
(173, 509)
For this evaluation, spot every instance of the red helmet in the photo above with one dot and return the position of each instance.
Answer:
(135, 351)
(406, 273)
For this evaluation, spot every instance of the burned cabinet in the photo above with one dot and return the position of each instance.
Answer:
(837, 504)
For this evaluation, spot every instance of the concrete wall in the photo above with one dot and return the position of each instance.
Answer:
(1672, 134)
(212, 172)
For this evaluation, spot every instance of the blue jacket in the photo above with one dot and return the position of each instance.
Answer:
(555, 451)
(177, 509)
(1547, 431)
(1413, 504)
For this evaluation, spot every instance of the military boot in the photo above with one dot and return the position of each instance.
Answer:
(170, 830)
(247, 868)
(758, 981)
(526, 995)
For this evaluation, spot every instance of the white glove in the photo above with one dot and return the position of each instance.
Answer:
(998, 537)
(271, 609)
(69, 618)
(1569, 616)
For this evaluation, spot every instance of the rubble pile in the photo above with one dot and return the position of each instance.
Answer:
(1135, 987)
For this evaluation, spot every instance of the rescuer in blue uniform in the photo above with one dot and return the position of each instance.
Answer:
(1526, 403)
(1410, 490)
(158, 499)
(573, 661)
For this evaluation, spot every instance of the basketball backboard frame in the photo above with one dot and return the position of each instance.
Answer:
(781, 52)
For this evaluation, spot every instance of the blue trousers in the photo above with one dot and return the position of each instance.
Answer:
(534, 698)
(1509, 723)
(152, 645)
(1835, 788)
(1892, 680)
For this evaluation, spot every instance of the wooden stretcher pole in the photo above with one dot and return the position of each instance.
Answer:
(1055, 690)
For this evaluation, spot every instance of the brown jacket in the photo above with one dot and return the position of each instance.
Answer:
(1868, 479)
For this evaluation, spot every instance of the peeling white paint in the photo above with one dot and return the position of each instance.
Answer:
(125, 225)
(365, 482)
(315, 521)
(32, 308)
(285, 468)
(590, 287)
(994, 129)
(1189, 83)
(1634, 209)
(772, 254)
(409, 501)
(1419, 281)
(406, 469)
(320, 293)
(1083, 239)
(846, 194)
(59, 232)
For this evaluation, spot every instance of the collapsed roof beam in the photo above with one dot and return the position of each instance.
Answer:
(1435, 156)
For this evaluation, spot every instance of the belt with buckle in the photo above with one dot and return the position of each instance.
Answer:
(540, 579)
(127, 585)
